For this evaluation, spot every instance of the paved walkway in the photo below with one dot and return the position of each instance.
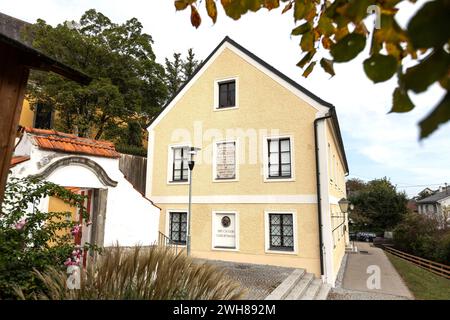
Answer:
(258, 280)
(363, 266)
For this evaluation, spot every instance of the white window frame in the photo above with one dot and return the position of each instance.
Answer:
(236, 162)
(216, 93)
(267, 231)
(170, 164)
(236, 217)
(266, 158)
(167, 225)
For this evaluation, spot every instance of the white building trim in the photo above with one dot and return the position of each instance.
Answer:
(239, 199)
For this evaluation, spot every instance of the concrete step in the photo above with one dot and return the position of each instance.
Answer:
(323, 292)
(286, 286)
(312, 290)
(301, 287)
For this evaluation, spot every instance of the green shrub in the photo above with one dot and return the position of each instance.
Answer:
(421, 235)
(154, 273)
(32, 239)
(133, 150)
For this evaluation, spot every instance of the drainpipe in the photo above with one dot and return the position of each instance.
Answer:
(319, 196)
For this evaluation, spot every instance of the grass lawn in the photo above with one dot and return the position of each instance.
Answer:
(423, 285)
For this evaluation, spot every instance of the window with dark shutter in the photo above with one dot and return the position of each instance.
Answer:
(42, 116)
(281, 232)
(180, 167)
(178, 227)
(227, 94)
(279, 153)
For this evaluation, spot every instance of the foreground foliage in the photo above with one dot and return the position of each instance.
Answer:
(423, 284)
(337, 28)
(154, 273)
(31, 239)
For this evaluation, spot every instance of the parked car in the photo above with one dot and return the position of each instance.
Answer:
(365, 236)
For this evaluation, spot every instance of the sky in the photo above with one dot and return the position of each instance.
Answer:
(377, 144)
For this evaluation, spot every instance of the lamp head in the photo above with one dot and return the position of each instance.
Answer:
(343, 205)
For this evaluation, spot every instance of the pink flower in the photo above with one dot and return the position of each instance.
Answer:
(68, 262)
(19, 225)
(76, 230)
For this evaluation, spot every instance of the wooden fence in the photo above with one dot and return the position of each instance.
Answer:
(134, 168)
(440, 269)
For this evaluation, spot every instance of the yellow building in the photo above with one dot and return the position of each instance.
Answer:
(257, 177)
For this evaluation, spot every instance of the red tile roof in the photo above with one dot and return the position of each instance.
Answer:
(18, 159)
(70, 143)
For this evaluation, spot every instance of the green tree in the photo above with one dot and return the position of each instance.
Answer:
(31, 239)
(128, 83)
(378, 206)
(337, 28)
(174, 74)
(179, 70)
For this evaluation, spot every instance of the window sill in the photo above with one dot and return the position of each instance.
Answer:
(274, 251)
(225, 180)
(225, 249)
(225, 108)
(178, 182)
(267, 179)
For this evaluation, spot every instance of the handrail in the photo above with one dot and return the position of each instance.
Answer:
(165, 241)
(440, 269)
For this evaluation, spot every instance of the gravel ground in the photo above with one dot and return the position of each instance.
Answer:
(259, 280)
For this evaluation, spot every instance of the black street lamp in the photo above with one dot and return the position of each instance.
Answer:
(191, 163)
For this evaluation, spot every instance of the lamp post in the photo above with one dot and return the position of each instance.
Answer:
(191, 163)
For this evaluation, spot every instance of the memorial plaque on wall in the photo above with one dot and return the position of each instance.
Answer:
(224, 230)
(226, 160)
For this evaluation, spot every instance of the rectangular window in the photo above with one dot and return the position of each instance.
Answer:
(226, 160)
(279, 153)
(227, 94)
(180, 167)
(43, 116)
(281, 231)
(178, 227)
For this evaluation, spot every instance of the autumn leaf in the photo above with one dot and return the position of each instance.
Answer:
(195, 17)
(287, 7)
(307, 58)
(271, 4)
(309, 69)
(181, 4)
(212, 10)
(401, 102)
(327, 65)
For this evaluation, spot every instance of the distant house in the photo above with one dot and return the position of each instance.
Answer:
(434, 204)
(117, 211)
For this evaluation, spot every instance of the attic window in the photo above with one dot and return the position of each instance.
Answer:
(227, 94)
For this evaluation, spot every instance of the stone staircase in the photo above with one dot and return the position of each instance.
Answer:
(300, 285)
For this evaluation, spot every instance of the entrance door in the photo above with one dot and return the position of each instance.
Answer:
(86, 230)
(224, 230)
